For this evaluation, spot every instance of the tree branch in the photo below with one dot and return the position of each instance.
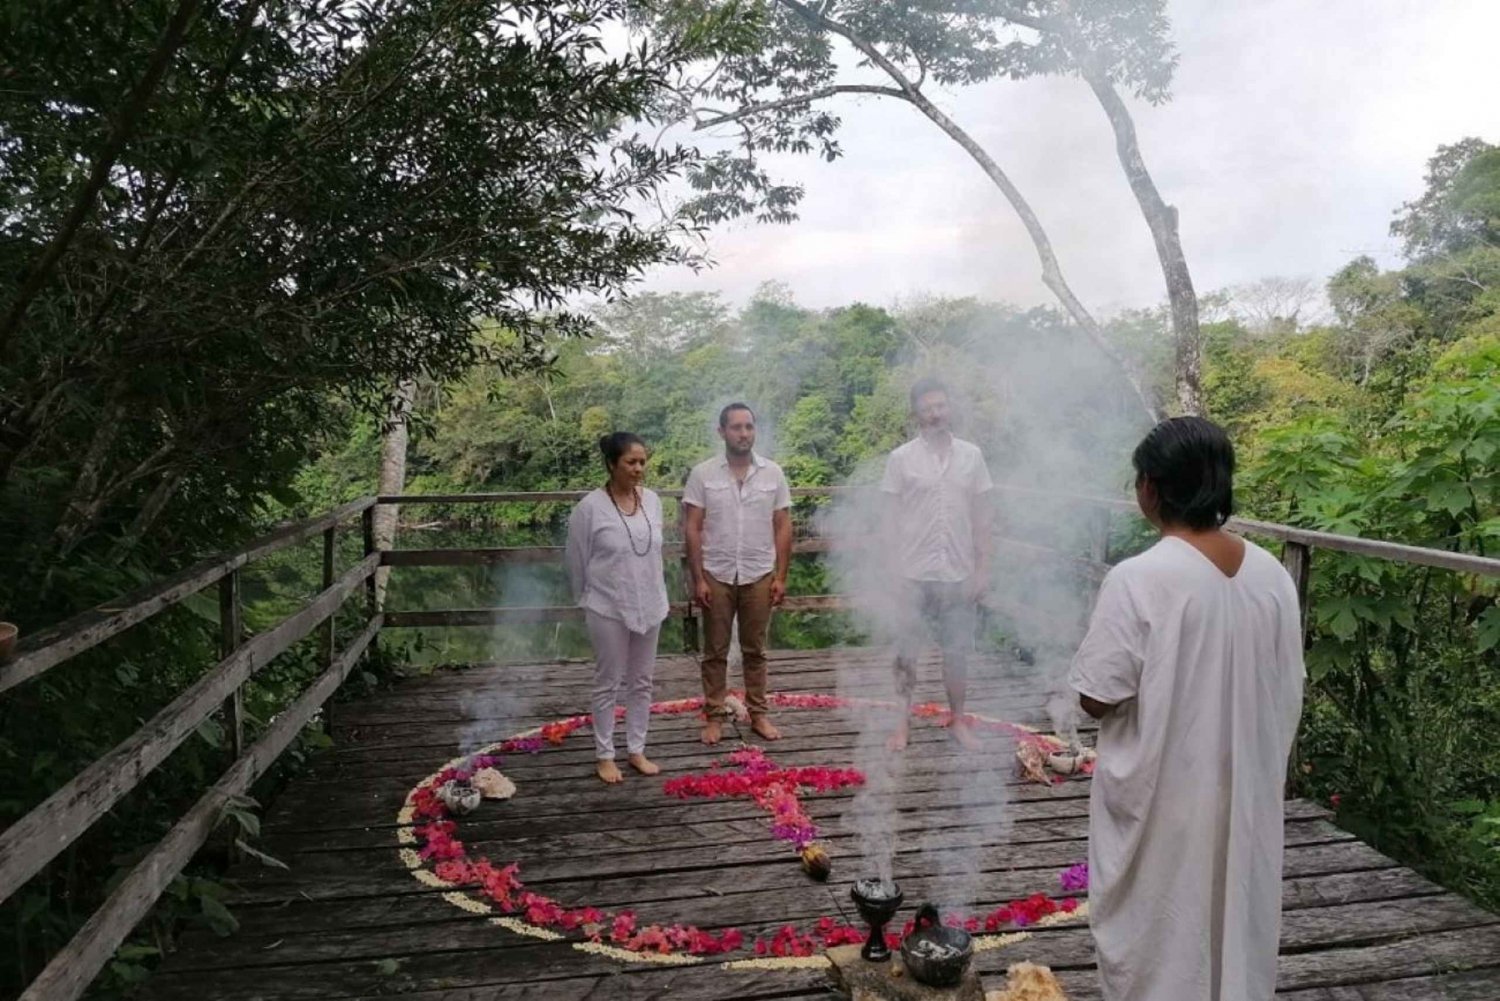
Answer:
(1052, 275)
(1027, 20)
(1161, 219)
(792, 102)
(119, 134)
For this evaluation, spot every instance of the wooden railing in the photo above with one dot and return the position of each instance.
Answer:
(37, 838)
(1091, 566)
(1298, 545)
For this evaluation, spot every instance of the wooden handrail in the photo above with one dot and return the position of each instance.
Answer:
(1395, 552)
(1376, 548)
(88, 629)
(38, 837)
(75, 966)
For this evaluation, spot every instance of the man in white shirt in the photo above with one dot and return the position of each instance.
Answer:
(737, 525)
(938, 509)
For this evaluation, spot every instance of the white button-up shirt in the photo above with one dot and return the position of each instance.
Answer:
(606, 575)
(739, 546)
(935, 521)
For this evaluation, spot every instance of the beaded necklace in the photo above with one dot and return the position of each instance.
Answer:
(642, 510)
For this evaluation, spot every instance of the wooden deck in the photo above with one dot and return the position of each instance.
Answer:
(348, 920)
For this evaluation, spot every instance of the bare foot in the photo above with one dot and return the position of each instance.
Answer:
(965, 735)
(897, 741)
(608, 771)
(713, 731)
(644, 765)
(763, 726)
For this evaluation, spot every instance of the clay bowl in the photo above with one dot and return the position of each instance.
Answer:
(936, 955)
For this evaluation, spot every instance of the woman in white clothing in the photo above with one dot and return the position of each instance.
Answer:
(615, 568)
(1193, 665)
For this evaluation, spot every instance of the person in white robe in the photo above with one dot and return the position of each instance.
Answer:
(1193, 665)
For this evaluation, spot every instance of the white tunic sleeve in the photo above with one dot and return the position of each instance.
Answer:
(1107, 667)
(576, 555)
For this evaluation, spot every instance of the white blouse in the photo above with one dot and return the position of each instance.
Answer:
(606, 574)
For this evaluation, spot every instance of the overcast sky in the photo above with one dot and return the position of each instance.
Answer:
(1295, 129)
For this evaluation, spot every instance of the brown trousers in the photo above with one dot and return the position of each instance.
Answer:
(751, 603)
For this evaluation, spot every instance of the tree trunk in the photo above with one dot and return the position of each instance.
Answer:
(1162, 220)
(392, 477)
(1052, 275)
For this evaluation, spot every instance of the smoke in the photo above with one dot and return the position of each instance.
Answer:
(492, 708)
(1052, 418)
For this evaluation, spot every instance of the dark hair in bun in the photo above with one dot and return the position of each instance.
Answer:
(615, 444)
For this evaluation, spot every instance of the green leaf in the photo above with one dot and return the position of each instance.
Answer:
(260, 856)
(1342, 621)
(129, 973)
(1450, 496)
(249, 822)
(211, 731)
(1487, 629)
(203, 606)
(219, 919)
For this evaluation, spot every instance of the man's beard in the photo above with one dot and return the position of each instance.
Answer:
(740, 450)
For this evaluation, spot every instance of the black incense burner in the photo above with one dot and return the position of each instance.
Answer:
(935, 954)
(878, 901)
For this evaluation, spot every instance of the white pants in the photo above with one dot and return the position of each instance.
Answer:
(622, 660)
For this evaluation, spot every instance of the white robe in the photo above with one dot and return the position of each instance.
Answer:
(1185, 822)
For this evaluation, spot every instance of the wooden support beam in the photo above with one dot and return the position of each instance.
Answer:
(367, 527)
(529, 555)
(569, 613)
(1099, 535)
(71, 971)
(1297, 558)
(38, 837)
(231, 628)
(330, 552)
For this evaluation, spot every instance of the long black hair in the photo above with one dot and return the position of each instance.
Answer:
(1190, 461)
(615, 444)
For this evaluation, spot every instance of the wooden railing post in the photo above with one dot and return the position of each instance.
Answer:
(689, 613)
(1297, 558)
(330, 542)
(1099, 535)
(367, 523)
(372, 600)
(231, 628)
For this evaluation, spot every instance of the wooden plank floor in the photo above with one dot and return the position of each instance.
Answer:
(349, 921)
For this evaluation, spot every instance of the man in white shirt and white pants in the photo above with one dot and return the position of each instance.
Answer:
(737, 525)
(937, 490)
